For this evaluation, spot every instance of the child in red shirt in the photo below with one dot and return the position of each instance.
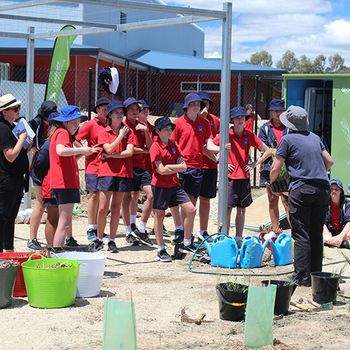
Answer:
(167, 162)
(239, 191)
(64, 175)
(115, 172)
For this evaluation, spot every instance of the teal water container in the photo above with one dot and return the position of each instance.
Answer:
(251, 252)
(282, 250)
(224, 252)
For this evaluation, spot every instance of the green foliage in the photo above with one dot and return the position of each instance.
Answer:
(261, 58)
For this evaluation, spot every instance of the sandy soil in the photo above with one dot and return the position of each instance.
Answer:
(159, 292)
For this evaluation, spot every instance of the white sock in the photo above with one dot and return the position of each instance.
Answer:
(187, 242)
(160, 248)
(142, 226)
(132, 219)
(179, 227)
(127, 230)
(112, 240)
(202, 231)
(92, 226)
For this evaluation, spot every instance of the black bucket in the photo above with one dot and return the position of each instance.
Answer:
(232, 303)
(324, 287)
(284, 292)
(7, 282)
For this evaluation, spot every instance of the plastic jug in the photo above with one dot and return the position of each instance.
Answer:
(251, 252)
(223, 252)
(282, 250)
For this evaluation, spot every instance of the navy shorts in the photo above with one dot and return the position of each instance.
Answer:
(66, 195)
(165, 198)
(141, 178)
(208, 187)
(114, 183)
(91, 183)
(191, 181)
(49, 203)
(239, 193)
(264, 178)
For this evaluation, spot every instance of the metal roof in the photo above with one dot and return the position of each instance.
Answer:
(175, 62)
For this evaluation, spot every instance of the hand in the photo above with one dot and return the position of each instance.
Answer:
(22, 136)
(96, 149)
(204, 112)
(228, 146)
(88, 151)
(140, 126)
(104, 156)
(336, 240)
(250, 166)
(124, 131)
(231, 168)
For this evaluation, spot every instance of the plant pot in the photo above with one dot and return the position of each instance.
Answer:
(324, 287)
(285, 290)
(7, 281)
(232, 303)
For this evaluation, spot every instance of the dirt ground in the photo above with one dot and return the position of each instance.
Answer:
(160, 291)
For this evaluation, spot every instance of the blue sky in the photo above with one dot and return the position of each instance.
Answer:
(309, 27)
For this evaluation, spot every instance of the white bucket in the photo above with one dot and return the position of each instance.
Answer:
(92, 266)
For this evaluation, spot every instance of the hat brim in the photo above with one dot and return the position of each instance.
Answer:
(287, 123)
(277, 109)
(14, 104)
(83, 118)
(173, 126)
(135, 103)
(102, 104)
(184, 108)
(247, 116)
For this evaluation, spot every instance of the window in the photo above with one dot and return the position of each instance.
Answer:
(123, 19)
(194, 52)
(19, 72)
(198, 86)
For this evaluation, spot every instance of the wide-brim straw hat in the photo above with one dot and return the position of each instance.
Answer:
(8, 101)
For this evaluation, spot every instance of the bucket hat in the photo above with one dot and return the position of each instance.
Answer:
(114, 105)
(46, 108)
(101, 102)
(52, 117)
(69, 113)
(337, 182)
(277, 105)
(295, 118)
(205, 96)
(238, 111)
(192, 97)
(162, 122)
(8, 101)
(130, 101)
(143, 103)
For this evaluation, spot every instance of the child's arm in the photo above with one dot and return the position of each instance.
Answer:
(148, 139)
(170, 169)
(64, 151)
(127, 153)
(110, 147)
(267, 153)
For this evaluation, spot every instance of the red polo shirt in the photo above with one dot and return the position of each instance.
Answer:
(63, 170)
(190, 137)
(249, 124)
(239, 152)
(277, 131)
(148, 164)
(89, 131)
(214, 122)
(335, 216)
(167, 154)
(113, 166)
(139, 142)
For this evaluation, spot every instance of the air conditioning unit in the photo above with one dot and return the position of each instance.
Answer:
(4, 71)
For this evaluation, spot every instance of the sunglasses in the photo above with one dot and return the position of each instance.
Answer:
(15, 109)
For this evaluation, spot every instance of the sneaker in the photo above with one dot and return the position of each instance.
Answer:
(205, 236)
(133, 227)
(34, 244)
(163, 256)
(131, 240)
(71, 242)
(187, 249)
(112, 247)
(145, 239)
(97, 244)
(91, 234)
(179, 237)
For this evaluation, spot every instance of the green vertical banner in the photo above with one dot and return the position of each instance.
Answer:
(60, 62)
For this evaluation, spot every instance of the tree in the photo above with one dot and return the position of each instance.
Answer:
(305, 65)
(261, 58)
(336, 63)
(288, 62)
(319, 64)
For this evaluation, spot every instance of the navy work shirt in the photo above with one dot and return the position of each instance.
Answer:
(302, 152)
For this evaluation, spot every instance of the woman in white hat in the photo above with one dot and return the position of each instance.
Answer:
(13, 167)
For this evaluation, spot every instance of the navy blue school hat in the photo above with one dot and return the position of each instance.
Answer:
(143, 103)
(101, 102)
(205, 96)
(277, 105)
(114, 105)
(69, 113)
(238, 111)
(192, 97)
(52, 116)
(46, 108)
(162, 122)
(337, 182)
(130, 101)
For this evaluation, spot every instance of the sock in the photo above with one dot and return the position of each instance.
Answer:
(127, 230)
(112, 240)
(179, 227)
(132, 219)
(142, 226)
(161, 247)
(92, 226)
(187, 242)
(202, 231)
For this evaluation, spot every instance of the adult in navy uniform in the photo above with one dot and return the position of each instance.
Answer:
(307, 163)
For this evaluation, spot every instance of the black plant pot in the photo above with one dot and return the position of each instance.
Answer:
(7, 281)
(324, 287)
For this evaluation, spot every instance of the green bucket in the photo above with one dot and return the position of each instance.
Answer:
(50, 288)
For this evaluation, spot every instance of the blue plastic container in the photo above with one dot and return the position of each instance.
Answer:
(223, 252)
(282, 250)
(251, 252)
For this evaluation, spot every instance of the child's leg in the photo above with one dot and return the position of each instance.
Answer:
(240, 218)
(229, 212)
(92, 207)
(51, 225)
(64, 224)
(126, 211)
(135, 195)
(37, 214)
(204, 208)
(147, 208)
(103, 207)
(188, 211)
(117, 199)
(158, 226)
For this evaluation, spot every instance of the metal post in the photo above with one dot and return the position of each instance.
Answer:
(90, 92)
(96, 77)
(257, 78)
(158, 94)
(224, 115)
(239, 88)
(29, 99)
